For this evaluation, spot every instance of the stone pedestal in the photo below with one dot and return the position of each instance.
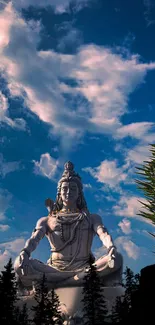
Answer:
(70, 299)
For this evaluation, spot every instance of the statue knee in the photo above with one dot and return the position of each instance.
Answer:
(17, 265)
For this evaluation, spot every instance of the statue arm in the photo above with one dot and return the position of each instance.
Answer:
(38, 233)
(102, 232)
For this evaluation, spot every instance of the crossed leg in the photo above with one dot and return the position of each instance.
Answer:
(36, 269)
(57, 278)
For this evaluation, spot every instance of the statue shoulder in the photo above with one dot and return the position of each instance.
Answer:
(96, 218)
(96, 221)
(42, 222)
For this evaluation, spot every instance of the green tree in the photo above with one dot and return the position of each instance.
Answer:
(118, 311)
(94, 305)
(23, 318)
(46, 311)
(8, 295)
(124, 310)
(146, 184)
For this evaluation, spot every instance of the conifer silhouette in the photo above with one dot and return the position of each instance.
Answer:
(46, 311)
(94, 305)
(8, 295)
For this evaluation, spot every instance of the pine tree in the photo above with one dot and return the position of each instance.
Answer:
(8, 295)
(94, 305)
(23, 318)
(53, 306)
(124, 309)
(118, 311)
(46, 311)
(147, 185)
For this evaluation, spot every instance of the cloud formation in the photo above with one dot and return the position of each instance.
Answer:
(4, 227)
(5, 198)
(10, 250)
(60, 6)
(138, 154)
(108, 173)
(102, 81)
(17, 123)
(47, 166)
(8, 167)
(125, 226)
(125, 244)
(138, 130)
(129, 206)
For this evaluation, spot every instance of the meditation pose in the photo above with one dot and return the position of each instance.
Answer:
(70, 229)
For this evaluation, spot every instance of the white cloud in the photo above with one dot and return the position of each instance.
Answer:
(103, 80)
(138, 130)
(125, 226)
(3, 105)
(108, 173)
(10, 250)
(14, 246)
(18, 123)
(106, 79)
(125, 244)
(138, 154)
(47, 166)
(5, 198)
(71, 39)
(4, 258)
(4, 227)
(8, 167)
(87, 186)
(129, 206)
(60, 6)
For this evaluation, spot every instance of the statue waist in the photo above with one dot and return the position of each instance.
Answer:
(67, 264)
(56, 257)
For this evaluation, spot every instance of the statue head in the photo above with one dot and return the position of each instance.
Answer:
(70, 188)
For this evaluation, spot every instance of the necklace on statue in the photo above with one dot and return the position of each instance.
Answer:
(64, 221)
(69, 211)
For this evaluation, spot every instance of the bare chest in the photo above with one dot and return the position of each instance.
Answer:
(66, 228)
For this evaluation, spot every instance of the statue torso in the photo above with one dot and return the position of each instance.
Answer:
(70, 237)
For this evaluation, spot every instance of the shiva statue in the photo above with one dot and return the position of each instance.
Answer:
(70, 229)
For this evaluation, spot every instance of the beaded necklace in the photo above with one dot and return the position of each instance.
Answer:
(64, 221)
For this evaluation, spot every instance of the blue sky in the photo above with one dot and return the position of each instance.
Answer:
(76, 83)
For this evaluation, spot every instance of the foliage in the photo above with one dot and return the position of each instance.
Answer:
(147, 185)
(94, 305)
(124, 309)
(8, 295)
(23, 315)
(46, 310)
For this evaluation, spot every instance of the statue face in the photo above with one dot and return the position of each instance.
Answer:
(69, 193)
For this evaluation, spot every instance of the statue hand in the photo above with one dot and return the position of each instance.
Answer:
(112, 256)
(24, 262)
